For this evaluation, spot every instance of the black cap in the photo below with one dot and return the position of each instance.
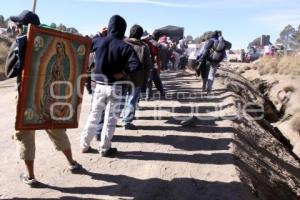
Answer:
(26, 17)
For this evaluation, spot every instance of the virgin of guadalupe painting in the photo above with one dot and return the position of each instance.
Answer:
(53, 80)
(58, 71)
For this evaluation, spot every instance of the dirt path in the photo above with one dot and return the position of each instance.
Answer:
(160, 161)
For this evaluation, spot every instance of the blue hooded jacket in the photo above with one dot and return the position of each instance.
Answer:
(112, 54)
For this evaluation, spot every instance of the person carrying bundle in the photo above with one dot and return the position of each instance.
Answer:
(211, 55)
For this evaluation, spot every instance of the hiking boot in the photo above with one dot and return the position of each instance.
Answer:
(28, 181)
(130, 127)
(109, 153)
(74, 167)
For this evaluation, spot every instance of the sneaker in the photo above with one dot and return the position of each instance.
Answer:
(109, 153)
(86, 150)
(89, 150)
(74, 167)
(130, 127)
(28, 181)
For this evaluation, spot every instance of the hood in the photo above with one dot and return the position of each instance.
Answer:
(134, 41)
(117, 26)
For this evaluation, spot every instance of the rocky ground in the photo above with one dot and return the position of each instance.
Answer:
(224, 155)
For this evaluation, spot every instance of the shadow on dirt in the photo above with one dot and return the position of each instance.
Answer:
(187, 143)
(155, 188)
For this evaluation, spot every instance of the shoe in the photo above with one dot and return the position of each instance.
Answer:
(189, 122)
(89, 150)
(85, 150)
(74, 167)
(98, 137)
(28, 181)
(148, 99)
(130, 127)
(109, 153)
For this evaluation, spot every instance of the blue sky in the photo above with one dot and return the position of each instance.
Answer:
(240, 20)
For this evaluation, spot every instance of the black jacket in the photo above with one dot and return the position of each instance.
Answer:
(15, 59)
(112, 54)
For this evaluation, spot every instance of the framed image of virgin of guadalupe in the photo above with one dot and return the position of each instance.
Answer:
(53, 79)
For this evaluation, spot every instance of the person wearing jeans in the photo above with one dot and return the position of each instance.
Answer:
(213, 51)
(133, 96)
(138, 79)
(155, 73)
(114, 59)
(211, 76)
(154, 78)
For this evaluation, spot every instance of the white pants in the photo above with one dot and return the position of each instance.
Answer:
(105, 97)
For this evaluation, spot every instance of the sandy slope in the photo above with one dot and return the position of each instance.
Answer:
(160, 161)
(283, 90)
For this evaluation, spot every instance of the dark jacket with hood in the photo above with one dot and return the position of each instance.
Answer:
(112, 54)
(140, 78)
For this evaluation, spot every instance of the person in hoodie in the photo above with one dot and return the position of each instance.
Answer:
(139, 79)
(114, 59)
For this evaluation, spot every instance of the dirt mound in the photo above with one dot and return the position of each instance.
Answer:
(267, 164)
(277, 79)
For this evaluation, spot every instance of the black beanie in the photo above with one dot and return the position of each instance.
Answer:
(136, 32)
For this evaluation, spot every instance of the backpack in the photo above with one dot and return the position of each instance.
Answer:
(143, 53)
(217, 52)
(15, 59)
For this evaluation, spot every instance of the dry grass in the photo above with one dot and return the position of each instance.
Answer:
(288, 89)
(289, 65)
(267, 65)
(4, 47)
(296, 122)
